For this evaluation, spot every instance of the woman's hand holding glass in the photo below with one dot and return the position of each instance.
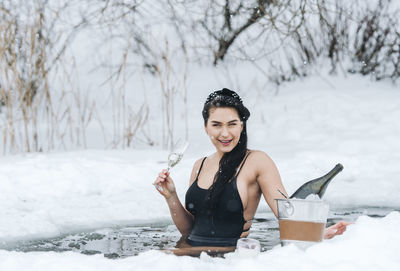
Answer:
(164, 184)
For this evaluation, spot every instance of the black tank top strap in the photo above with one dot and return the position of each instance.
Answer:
(244, 160)
(201, 166)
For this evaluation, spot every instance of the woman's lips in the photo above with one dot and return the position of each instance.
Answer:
(225, 142)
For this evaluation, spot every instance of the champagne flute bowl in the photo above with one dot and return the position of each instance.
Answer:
(175, 156)
(177, 153)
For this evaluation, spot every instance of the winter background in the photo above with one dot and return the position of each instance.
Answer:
(89, 164)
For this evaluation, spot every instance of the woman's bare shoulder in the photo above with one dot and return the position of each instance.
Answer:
(260, 157)
(265, 169)
(261, 162)
(196, 164)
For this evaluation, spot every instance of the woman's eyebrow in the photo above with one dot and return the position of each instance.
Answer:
(231, 121)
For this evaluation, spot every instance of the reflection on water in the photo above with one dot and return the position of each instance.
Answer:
(131, 240)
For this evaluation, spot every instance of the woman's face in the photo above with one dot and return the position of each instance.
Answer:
(224, 127)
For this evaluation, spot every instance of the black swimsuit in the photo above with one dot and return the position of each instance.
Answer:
(225, 226)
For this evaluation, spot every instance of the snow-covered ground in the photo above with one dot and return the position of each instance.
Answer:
(306, 127)
(370, 244)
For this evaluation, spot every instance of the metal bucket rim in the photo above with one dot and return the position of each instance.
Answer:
(303, 200)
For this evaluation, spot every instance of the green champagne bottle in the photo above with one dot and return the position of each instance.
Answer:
(317, 186)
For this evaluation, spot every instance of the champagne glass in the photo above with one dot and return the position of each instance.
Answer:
(177, 153)
(248, 247)
(175, 156)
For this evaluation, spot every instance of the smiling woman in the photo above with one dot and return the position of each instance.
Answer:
(225, 188)
(224, 128)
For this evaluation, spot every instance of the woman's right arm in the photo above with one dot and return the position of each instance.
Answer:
(165, 186)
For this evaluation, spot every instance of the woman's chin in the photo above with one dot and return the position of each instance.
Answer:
(226, 149)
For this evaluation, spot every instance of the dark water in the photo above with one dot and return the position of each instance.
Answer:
(131, 240)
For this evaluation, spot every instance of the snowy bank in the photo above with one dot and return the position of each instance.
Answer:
(369, 244)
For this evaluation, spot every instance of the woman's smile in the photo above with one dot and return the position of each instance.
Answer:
(225, 142)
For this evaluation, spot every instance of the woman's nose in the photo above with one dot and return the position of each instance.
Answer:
(224, 131)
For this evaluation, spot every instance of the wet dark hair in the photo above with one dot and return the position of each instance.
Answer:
(230, 161)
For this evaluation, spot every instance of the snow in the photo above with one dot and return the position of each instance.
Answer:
(307, 127)
(352, 251)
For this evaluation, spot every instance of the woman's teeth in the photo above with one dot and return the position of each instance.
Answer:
(225, 142)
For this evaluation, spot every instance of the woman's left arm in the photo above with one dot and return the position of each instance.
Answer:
(268, 179)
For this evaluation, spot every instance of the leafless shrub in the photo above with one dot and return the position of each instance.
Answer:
(376, 44)
(127, 122)
(25, 72)
(358, 37)
(31, 50)
(171, 85)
